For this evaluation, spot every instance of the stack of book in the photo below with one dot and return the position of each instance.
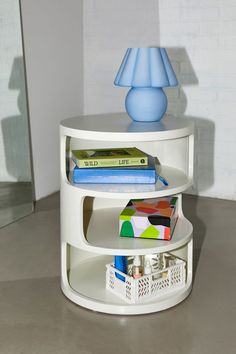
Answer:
(117, 165)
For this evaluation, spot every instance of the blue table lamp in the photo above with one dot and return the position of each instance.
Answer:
(146, 70)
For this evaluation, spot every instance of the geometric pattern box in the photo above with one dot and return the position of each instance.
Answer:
(153, 218)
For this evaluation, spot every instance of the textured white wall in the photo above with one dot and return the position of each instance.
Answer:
(53, 49)
(14, 137)
(110, 27)
(200, 37)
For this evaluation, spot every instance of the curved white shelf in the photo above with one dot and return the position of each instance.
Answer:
(90, 212)
(103, 236)
(119, 127)
(177, 179)
(86, 287)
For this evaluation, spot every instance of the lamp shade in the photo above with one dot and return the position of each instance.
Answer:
(146, 67)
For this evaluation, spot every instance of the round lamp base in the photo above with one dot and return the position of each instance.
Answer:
(146, 104)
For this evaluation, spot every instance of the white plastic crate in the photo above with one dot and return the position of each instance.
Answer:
(160, 282)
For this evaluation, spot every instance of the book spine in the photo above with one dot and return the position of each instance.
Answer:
(115, 162)
(90, 176)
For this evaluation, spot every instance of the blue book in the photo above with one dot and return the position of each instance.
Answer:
(131, 175)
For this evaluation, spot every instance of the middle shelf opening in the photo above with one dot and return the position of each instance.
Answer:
(101, 230)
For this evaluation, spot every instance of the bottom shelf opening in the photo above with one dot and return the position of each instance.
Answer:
(89, 277)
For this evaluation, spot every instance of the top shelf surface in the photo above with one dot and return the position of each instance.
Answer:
(120, 127)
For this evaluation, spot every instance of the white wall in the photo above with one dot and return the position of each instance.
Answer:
(200, 37)
(14, 136)
(110, 27)
(53, 48)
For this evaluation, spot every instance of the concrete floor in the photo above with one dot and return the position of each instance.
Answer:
(35, 317)
(16, 201)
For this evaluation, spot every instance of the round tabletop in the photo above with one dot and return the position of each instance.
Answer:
(119, 126)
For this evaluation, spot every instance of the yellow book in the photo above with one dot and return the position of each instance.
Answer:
(113, 157)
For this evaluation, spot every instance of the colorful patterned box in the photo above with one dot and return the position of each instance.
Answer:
(149, 218)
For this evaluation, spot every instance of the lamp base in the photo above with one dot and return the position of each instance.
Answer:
(146, 104)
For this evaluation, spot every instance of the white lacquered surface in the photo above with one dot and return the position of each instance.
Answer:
(120, 127)
(103, 236)
(99, 240)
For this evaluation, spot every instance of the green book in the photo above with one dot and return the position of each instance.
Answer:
(115, 157)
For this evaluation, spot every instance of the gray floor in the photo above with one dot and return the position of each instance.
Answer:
(16, 201)
(35, 317)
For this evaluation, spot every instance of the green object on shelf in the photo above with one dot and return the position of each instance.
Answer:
(150, 232)
(127, 229)
(126, 214)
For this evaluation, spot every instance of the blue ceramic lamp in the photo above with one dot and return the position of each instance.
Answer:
(147, 71)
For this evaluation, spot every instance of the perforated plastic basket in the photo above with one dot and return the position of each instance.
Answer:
(158, 283)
